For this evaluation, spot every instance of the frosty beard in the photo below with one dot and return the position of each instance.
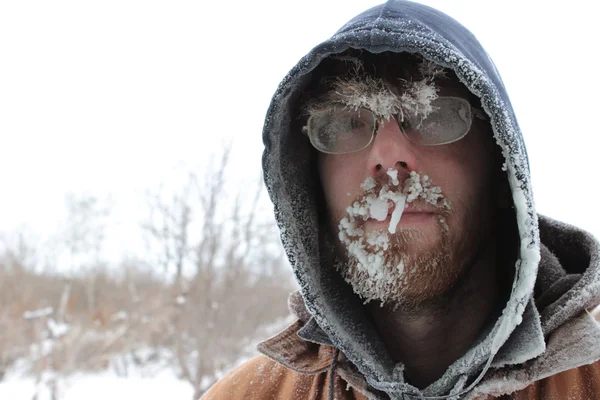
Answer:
(404, 267)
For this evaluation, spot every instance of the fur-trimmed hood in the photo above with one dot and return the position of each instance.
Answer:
(533, 311)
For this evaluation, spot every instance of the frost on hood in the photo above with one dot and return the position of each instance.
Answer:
(370, 255)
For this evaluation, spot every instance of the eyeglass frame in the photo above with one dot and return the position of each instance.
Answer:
(476, 112)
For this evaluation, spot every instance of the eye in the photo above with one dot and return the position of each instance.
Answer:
(356, 123)
(405, 124)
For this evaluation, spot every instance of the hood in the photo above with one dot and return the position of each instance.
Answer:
(337, 315)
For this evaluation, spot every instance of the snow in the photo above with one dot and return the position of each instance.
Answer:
(120, 316)
(57, 329)
(43, 312)
(102, 386)
(149, 374)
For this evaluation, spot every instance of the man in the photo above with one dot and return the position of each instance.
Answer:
(401, 186)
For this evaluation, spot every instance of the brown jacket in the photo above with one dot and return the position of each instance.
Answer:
(308, 370)
(562, 363)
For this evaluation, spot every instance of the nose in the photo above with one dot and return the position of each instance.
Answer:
(391, 149)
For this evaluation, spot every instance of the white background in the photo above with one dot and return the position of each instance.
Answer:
(107, 97)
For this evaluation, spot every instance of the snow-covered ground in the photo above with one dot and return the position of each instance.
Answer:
(151, 375)
(103, 386)
(124, 379)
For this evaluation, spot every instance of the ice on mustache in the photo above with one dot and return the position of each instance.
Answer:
(376, 205)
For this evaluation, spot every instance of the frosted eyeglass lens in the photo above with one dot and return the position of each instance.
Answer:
(449, 121)
(342, 130)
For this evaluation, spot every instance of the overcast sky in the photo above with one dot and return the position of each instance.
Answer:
(108, 96)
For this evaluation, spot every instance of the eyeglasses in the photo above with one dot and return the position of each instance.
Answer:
(342, 129)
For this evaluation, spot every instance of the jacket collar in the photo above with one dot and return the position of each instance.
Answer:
(305, 348)
(306, 357)
(297, 354)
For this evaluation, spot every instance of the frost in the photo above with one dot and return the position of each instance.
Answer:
(418, 96)
(368, 184)
(377, 206)
(444, 224)
(393, 173)
(401, 266)
(431, 70)
(366, 92)
(369, 251)
(379, 209)
(383, 98)
(397, 214)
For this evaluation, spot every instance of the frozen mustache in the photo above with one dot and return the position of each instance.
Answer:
(379, 198)
(376, 260)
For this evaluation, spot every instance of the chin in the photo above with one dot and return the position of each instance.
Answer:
(427, 271)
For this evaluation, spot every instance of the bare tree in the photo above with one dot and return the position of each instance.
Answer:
(20, 249)
(18, 253)
(168, 226)
(87, 218)
(227, 281)
(229, 269)
(85, 232)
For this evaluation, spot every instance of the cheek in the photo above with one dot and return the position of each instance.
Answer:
(468, 173)
(339, 176)
(461, 169)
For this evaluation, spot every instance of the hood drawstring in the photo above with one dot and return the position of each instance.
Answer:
(332, 373)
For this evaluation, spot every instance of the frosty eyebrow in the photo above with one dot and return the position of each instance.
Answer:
(381, 97)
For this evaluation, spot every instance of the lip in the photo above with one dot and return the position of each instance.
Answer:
(411, 210)
(415, 217)
(410, 216)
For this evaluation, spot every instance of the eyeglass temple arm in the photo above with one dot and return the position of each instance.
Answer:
(479, 113)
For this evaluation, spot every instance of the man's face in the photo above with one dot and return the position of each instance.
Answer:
(434, 241)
